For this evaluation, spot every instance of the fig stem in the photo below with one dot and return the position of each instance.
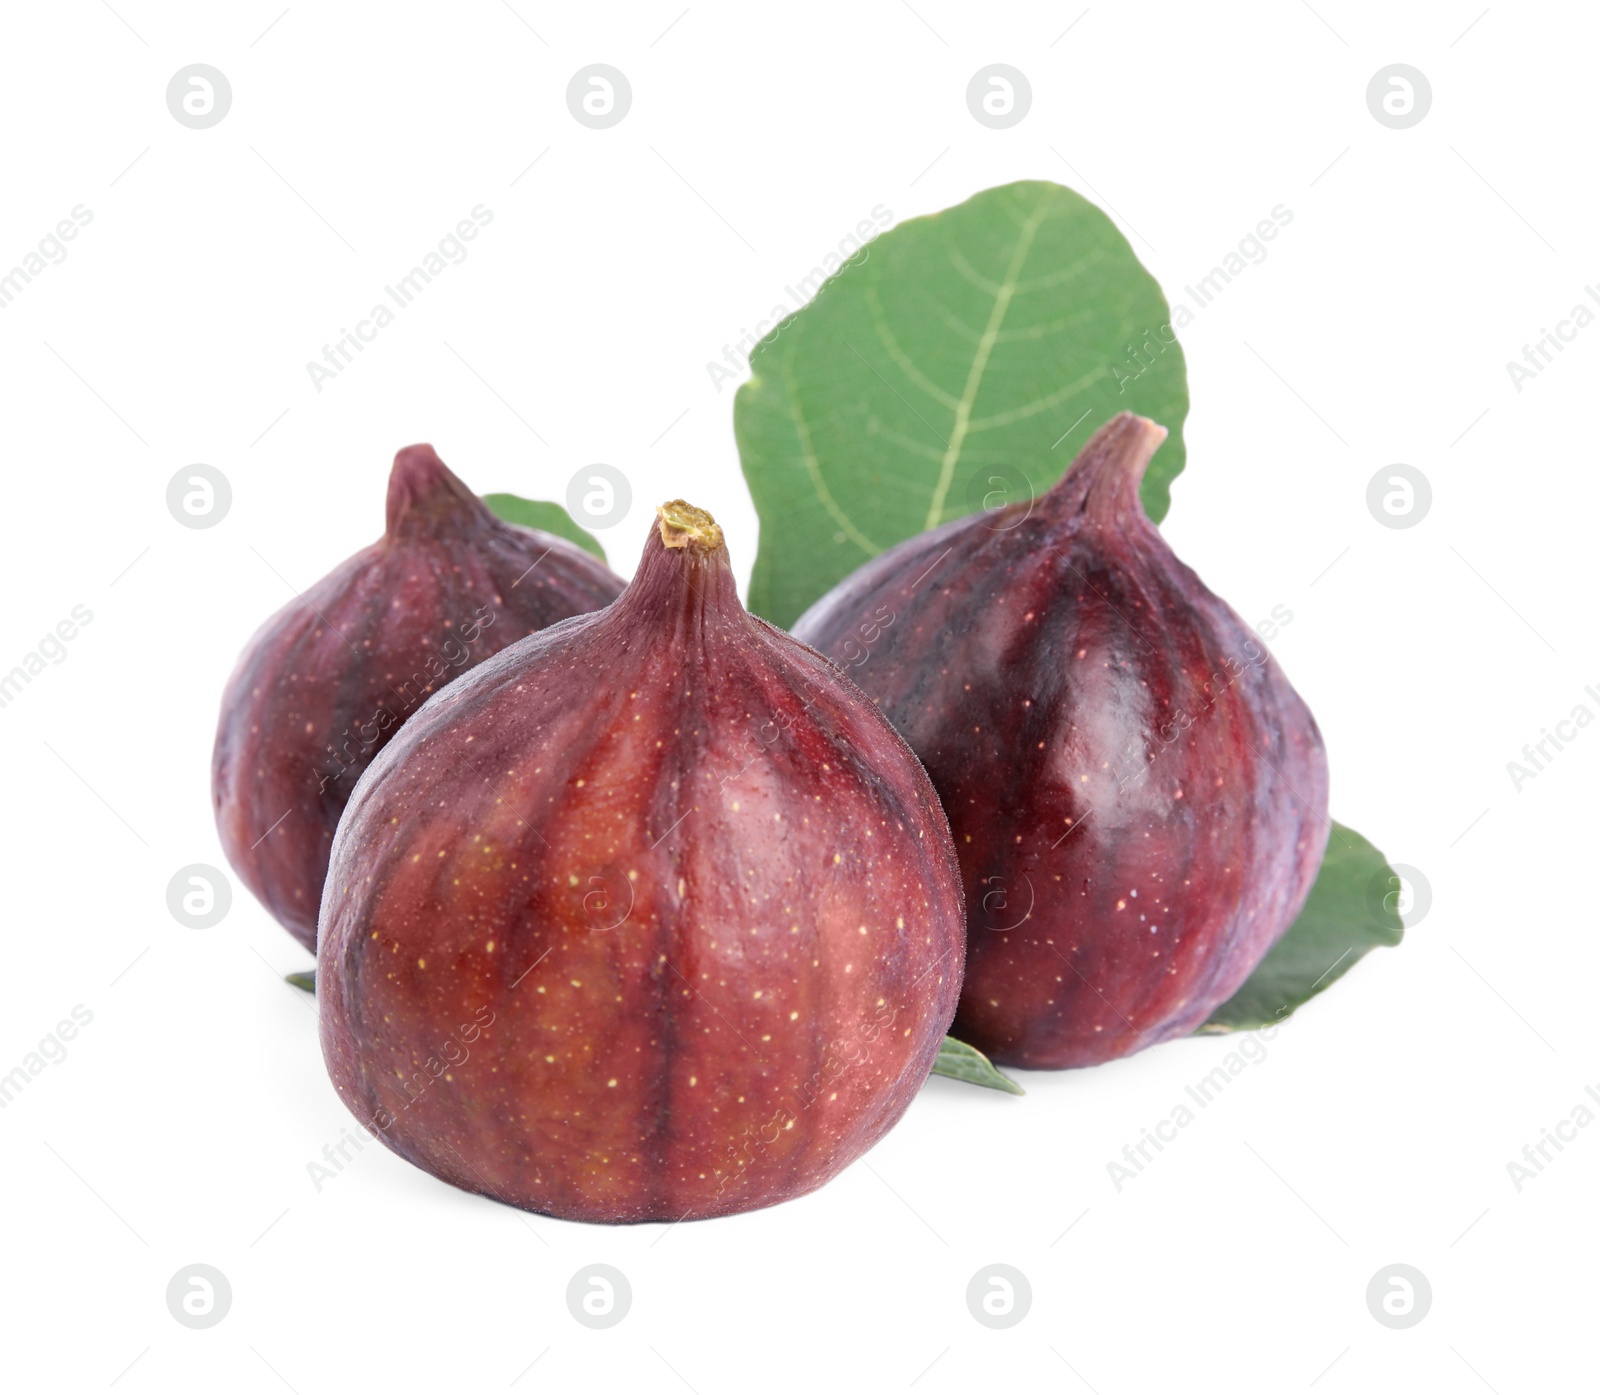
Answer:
(685, 526)
(420, 481)
(1106, 475)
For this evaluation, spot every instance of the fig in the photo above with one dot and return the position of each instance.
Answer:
(328, 680)
(1138, 797)
(651, 916)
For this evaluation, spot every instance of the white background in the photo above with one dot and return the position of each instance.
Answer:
(1379, 1124)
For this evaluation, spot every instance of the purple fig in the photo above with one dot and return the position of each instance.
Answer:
(327, 681)
(1139, 799)
(652, 916)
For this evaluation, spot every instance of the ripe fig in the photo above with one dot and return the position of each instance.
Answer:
(1139, 799)
(330, 678)
(651, 916)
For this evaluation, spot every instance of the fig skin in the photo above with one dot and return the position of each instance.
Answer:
(653, 916)
(1138, 797)
(327, 681)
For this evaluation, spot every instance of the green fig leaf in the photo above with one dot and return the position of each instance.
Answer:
(962, 1062)
(548, 517)
(306, 980)
(955, 363)
(1350, 910)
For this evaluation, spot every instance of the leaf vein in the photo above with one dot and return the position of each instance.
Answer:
(970, 272)
(980, 361)
(808, 457)
(902, 359)
(906, 444)
(1040, 404)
